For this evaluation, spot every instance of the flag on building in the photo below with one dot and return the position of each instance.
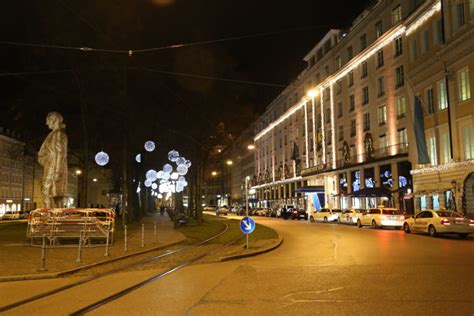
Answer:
(295, 155)
(419, 128)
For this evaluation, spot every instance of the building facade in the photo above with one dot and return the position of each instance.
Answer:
(342, 134)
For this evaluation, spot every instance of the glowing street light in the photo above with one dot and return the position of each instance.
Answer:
(214, 173)
(251, 147)
(94, 180)
(78, 172)
(229, 162)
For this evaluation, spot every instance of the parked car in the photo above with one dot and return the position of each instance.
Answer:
(350, 216)
(262, 211)
(299, 213)
(381, 217)
(223, 210)
(325, 215)
(286, 211)
(235, 210)
(439, 222)
(209, 208)
(11, 215)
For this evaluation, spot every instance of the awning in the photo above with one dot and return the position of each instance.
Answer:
(371, 192)
(310, 189)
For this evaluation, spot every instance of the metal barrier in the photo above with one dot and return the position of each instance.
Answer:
(93, 224)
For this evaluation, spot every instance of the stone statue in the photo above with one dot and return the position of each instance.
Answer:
(52, 157)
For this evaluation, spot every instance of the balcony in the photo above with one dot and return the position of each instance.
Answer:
(379, 154)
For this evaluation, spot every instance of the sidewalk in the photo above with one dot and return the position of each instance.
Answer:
(18, 259)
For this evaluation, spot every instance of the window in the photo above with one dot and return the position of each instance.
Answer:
(383, 141)
(380, 60)
(442, 96)
(432, 150)
(363, 42)
(398, 47)
(413, 51)
(399, 74)
(326, 70)
(378, 29)
(425, 43)
(468, 142)
(366, 121)
(338, 62)
(363, 69)
(380, 87)
(328, 115)
(464, 89)
(339, 109)
(338, 87)
(446, 147)
(382, 115)
(401, 107)
(341, 132)
(351, 103)
(402, 136)
(353, 128)
(365, 95)
(438, 32)
(350, 53)
(458, 15)
(350, 78)
(396, 14)
(430, 101)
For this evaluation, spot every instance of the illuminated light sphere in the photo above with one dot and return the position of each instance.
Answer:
(185, 183)
(179, 188)
(167, 168)
(181, 179)
(181, 161)
(148, 183)
(160, 174)
(166, 175)
(101, 158)
(173, 155)
(154, 186)
(188, 164)
(152, 175)
(149, 146)
(174, 176)
(182, 170)
(160, 196)
(162, 188)
(138, 158)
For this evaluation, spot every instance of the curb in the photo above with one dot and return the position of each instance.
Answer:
(91, 265)
(254, 253)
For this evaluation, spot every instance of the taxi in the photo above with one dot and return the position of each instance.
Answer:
(439, 222)
(350, 216)
(325, 215)
(381, 217)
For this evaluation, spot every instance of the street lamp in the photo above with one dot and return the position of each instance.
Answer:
(251, 147)
(229, 162)
(214, 173)
(78, 172)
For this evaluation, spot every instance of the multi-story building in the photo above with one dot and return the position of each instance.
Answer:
(339, 135)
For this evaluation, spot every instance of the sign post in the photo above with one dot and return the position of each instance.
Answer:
(247, 225)
(247, 206)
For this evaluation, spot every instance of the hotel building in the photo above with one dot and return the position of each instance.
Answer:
(341, 135)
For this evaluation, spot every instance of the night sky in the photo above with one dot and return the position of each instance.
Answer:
(124, 94)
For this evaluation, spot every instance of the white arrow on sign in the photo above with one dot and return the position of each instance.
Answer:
(247, 226)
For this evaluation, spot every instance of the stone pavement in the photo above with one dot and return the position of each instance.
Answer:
(20, 260)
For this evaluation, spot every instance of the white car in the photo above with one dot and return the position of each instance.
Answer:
(223, 210)
(381, 217)
(439, 222)
(350, 216)
(325, 215)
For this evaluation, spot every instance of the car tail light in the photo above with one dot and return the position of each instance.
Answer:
(445, 221)
(402, 217)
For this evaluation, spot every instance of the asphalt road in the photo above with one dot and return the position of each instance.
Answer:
(325, 269)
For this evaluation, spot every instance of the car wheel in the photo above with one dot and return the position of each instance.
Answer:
(406, 228)
(374, 224)
(432, 231)
(463, 236)
(311, 219)
(325, 219)
(359, 224)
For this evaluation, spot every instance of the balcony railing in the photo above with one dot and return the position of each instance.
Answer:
(380, 153)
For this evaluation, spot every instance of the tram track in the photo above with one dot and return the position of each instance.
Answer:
(128, 267)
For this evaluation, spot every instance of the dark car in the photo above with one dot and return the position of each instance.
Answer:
(299, 213)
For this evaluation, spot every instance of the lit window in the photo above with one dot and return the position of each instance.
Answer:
(464, 88)
(398, 47)
(380, 87)
(383, 141)
(350, 78)
(401, 107)
(396, 14)
(468, 142)
(402, 136)
(446, 147)
(382, 115)
(378, 29)
(400, 80)
(442, 97)
(432, 150)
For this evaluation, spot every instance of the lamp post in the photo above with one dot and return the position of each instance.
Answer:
(247, 204)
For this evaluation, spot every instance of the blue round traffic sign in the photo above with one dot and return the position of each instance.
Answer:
(247, 225)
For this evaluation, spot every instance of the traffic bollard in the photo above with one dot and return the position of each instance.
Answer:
(43, 254)
(154, 232)
(143, 235)
(79, 249)
(107, 245)
(125, 248)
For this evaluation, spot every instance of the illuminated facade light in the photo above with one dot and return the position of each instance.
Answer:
(229, 162)
(78, 172)
(251, 147)
(312, 93)
(425, 17)
(214, 173)
(94, 180)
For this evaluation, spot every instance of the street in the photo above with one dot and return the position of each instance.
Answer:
(319, 269)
